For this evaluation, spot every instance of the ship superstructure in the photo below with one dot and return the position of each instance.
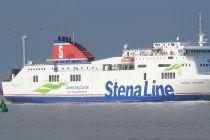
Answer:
(169, 71)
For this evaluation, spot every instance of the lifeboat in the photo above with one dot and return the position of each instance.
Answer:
(127, 59)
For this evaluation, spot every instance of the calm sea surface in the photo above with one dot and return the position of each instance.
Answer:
(102, 121)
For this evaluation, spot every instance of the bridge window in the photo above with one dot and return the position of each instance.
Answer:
(186, 51)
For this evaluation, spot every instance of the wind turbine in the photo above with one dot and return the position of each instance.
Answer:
(23, 37)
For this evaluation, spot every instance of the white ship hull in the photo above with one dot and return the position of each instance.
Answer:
(169, 71)
(108, 86)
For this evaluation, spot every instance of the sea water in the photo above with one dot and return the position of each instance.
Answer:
(102, 121)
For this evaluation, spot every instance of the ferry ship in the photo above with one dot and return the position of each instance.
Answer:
(169, 71)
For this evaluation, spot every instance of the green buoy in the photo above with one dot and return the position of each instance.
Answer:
(3, 106)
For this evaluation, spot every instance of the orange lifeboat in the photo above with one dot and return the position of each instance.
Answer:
(127, 59)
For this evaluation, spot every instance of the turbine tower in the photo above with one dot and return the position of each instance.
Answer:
(23, 37)
(202, 37)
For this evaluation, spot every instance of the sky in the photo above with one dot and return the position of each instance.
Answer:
(102, 26)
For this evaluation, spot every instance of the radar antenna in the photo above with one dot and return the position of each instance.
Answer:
(202, 37)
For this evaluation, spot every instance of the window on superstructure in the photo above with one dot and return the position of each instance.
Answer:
(168, 75)
(164, 65)
(162, 75)
(145, 76)
(53, 78)
(71, 77)
(127, 54)
(50, 78)
(35, 78)
(79, 77)
(173, 75)
(186, 51)
(142, 66)
(131, 67)
(57, 78)
(75, 78)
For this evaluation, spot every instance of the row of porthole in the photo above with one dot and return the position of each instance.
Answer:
(96, 68)
(204, 65)
(160, 58)
(154, 58)
(76, 68)
(185, 65)
(36, 69)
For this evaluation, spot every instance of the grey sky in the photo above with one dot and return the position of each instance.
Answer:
(100, 25)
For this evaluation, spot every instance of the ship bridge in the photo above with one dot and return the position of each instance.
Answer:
(167, 49)
(158, 49)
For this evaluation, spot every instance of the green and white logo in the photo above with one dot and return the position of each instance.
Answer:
(46, 88)
(174, 67)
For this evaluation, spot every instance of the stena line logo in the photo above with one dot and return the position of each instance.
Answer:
(115, 90)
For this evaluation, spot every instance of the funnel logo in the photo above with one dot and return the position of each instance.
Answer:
(60, 51)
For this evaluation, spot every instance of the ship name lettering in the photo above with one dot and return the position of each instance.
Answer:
(115, 90)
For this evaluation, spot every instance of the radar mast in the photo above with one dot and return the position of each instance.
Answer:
(202, 37)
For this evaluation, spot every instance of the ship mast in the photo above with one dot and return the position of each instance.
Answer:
(202, 37)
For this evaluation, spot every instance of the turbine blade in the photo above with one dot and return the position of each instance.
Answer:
(14, 32)
(31, 30)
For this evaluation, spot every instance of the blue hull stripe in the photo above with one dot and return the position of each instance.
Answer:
(107, 99)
